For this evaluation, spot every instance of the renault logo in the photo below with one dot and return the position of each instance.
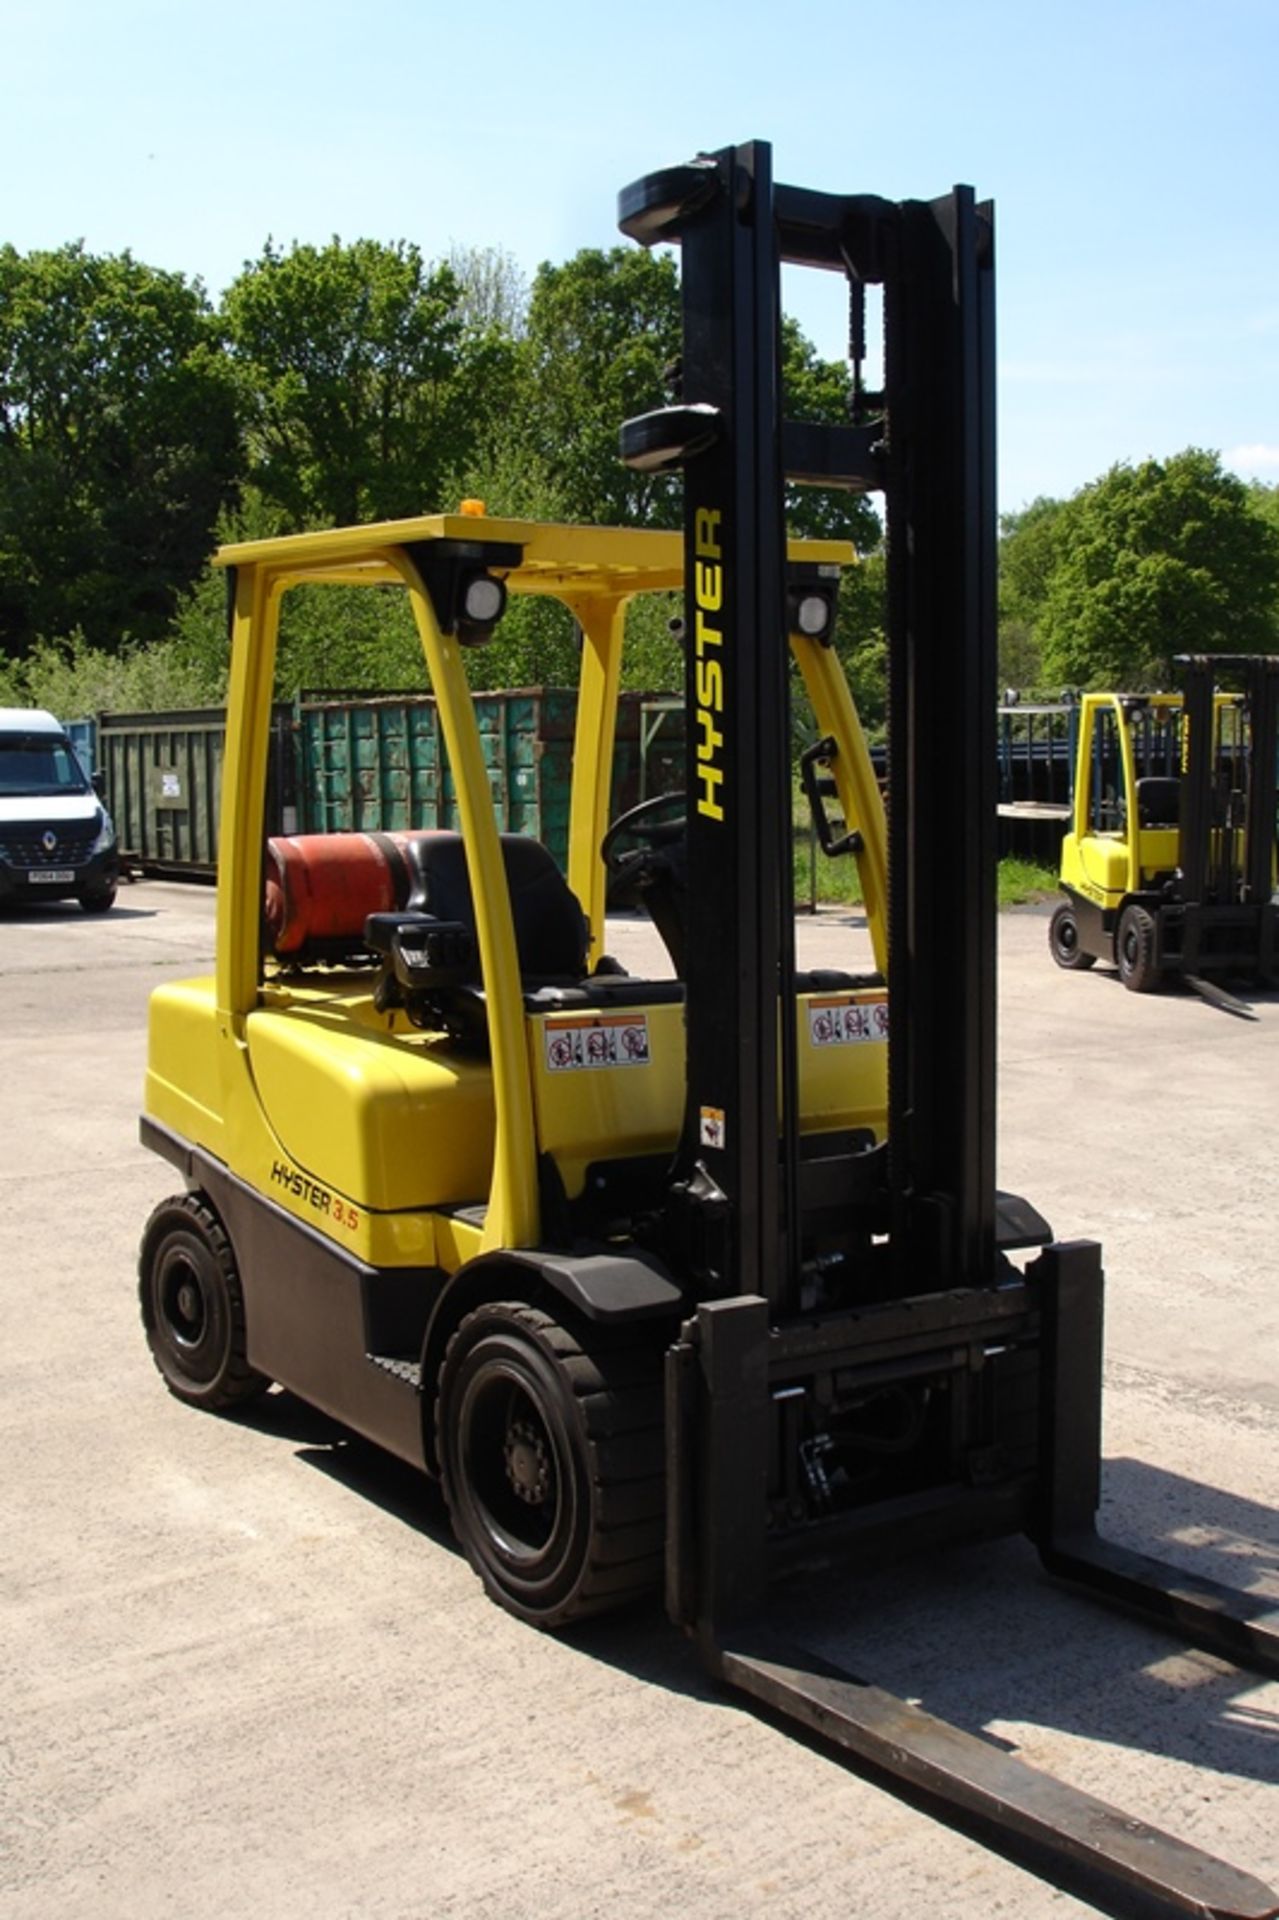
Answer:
(49, 840)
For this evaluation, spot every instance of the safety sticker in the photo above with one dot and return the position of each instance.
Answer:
(601, 1040)
(712, 1131)
(846, 1023)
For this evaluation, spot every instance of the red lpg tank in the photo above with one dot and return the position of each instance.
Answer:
(323, 886)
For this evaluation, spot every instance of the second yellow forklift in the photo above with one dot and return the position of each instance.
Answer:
(1169, 867)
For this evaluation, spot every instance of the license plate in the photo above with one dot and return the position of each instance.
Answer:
(53, 877)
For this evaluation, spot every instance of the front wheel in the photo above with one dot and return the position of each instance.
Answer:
(101, 902)
(1063, 940)
(193, 1306)
(550, 1452)
(1135, 950)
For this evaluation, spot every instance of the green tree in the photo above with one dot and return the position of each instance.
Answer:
(821, 390)
(118, 445)
(492, 290)
(364, 384)
(604, 338)
(1156, 560)
(861, 639)
(1264, 502)
(603, 331)
(1028, 549)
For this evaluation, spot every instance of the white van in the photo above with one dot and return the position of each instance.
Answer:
(56, 837)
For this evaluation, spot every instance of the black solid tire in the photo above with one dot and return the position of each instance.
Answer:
(551, 1459)
(1063, 940)
(1135, 950)
(98, 902)
(193, 1306)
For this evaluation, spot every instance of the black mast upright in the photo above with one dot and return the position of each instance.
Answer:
(941, 517)
(727, 1208)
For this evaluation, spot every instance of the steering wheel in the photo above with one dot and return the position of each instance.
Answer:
(640, 824)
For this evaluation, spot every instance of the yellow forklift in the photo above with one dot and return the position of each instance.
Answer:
(673, 1283)
(1169, 865)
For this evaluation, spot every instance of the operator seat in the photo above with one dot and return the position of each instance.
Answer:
(550, 928)
(1159, 800)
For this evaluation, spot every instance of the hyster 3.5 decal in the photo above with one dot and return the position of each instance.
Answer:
(302, 1187)
(604, 1040)
(846, 1023)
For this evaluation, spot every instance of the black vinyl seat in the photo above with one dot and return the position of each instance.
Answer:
(1159, 801)
(550, 927)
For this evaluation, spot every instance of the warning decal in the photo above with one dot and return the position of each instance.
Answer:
(597, 1040)
(846, 1023)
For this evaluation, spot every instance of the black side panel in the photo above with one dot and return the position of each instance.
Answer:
(307, 1309)
(1096, 929)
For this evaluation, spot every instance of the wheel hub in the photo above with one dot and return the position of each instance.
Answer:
(528, 1467)
(188, 1301)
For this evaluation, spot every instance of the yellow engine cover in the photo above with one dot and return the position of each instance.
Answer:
(397, 1120)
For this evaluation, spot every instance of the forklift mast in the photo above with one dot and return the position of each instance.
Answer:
(1210, 840)
(995, 1372)
(926, 443)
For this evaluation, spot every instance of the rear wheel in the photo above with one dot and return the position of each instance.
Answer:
(1135, 950)
(193, 1306)
(1063, 940)
(550, 1451)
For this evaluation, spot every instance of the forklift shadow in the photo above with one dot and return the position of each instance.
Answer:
(982, 1637)
(1242, 998)
(989, 1643)
(283, 1416)
(1219, 1535)
(358, 1464)
(979, 1636)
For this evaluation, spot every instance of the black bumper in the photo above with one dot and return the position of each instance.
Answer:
(97, 875)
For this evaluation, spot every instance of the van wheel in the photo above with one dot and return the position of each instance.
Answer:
(551, 1457)
(1063, 941)
(1135, 950)
(98, 902)
(193, 1306)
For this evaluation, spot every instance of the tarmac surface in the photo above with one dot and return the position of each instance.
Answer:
(243, 1668)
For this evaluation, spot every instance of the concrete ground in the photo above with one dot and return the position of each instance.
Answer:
(243, 1669)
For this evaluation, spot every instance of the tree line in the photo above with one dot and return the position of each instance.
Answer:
(1150, 561)
(141, 424)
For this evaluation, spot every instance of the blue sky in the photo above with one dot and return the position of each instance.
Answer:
(1130, 148)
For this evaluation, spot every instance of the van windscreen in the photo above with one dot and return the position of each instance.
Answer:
(36, 764)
